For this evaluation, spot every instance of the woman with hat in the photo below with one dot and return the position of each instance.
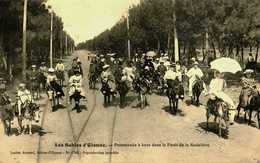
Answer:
(248, 88)
(106, 76)
(216, 89)
(52, 83)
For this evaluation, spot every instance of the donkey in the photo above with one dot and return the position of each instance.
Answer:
(219, 109)
(196, 91)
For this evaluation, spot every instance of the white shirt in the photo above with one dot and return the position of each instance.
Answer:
(192, 73)
(129, 72)
(24, 95)
(217, 85)
(170, 75)
(51, 78)
(60, 67)
(76, 80)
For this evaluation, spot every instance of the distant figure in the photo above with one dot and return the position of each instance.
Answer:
(251, 63)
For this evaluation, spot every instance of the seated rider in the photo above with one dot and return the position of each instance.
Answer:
(128, 72)
(34, 73)
(43, 69)
(107, 77)
(53, 85)
(24, 98)
(195, 74)
(75, 84)
(60, 66)
(248, 88)
(216, 90)
(161, 69)
(171, 74)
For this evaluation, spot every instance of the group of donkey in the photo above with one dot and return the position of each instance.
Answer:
(9, 111)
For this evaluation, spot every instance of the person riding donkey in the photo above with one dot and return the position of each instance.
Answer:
(53, 85)
(249, 89)
(6, 111)
(216, 90)
(60, 68)
(34, 82)
(108, 88)
(24, 98)
(107, 77)
(75, 84)
(172, 74)
(195, 74)
(128, 72)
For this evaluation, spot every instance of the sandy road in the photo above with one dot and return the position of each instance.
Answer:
(138, 136)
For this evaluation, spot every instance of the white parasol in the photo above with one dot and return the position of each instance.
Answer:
(226, 65)
(150, 54)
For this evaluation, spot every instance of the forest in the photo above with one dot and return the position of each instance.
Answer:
(229, 27)
(38, 34)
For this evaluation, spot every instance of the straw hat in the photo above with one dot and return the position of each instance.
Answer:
(51, 70)
(106, 66)
(248, 71)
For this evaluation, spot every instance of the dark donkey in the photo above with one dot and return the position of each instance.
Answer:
(107, 93)
(253, 106)
(173, 92)
(142, 86)
(197, 90)
(122, 89)
(219, 109)
(6, 113)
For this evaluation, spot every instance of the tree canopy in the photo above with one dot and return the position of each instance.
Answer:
(38, 32)
(232, 25)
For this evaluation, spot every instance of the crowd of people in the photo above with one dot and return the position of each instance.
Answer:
(155, 72)
(158, 70)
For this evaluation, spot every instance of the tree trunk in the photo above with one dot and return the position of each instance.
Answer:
(237, 53)
(158, 46)
(242, 54)
(169, 43)
(214, 50)
(179, 54)
(257, 50)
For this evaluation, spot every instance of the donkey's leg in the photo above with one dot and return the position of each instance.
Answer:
(207, 116)
(258, 118)
(176, 104)
(250, 116)
(238, 111)
(30, 127)
(219, 127)
(19, 127)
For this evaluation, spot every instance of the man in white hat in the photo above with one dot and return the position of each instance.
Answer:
(33, 74)
(194, 74)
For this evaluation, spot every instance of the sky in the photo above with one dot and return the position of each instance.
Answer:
(85, 19)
